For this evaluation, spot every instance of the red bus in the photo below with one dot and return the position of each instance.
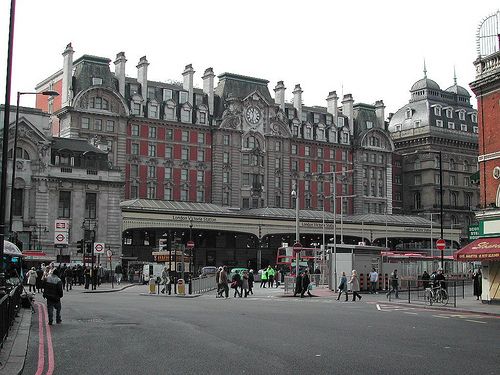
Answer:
(286, 258)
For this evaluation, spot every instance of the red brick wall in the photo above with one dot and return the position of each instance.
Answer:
(489, 142)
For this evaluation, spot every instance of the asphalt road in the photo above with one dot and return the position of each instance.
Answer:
(128, 333)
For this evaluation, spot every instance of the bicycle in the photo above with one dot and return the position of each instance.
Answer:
(436, 295)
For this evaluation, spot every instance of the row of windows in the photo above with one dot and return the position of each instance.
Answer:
(152, 152)
(97, 124)
(452, 180)
(309, 151)
(453, 199)
(451, 125)
(373, 158)
(152, 171)
(448, 112)
(453, 166)
(169, 134)
(374, 208)
(168, 193)
(64, 208)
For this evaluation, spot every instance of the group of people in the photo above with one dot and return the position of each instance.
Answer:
(241, 283)
(303, 284)
(349, 285)
(270, 276)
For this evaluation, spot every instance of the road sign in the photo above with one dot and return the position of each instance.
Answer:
(474, 232)
(109, 253)
(190, 244)
(60, 238)
(441, 244)
(99, 248)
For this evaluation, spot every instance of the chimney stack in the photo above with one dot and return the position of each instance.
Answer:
(379, 112)
(297, 100)
(279, 97)
(67, 94)
(142, 76)
(332, 105)
(208, 88)
(348, 110)
(120, 72)
(188, 81)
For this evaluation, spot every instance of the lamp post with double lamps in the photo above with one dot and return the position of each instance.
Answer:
(334, 196)
(14, 149)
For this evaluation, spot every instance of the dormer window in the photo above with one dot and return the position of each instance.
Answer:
(408, 113)
(291, 113)
(309, 132)
(183, 97)
(461, 115)
(316, 118)
(98, 103)
(369, 124)
(134, 89)
(151, 92)
(329, 120)
(136, 108)
(398, 127)
(333, 136)
(203, 118)
(96, 81)
(170, 111)
(153, 110)
(167, 94)
(473, 118)
(340, 122)
(296, 130)
(320, 134)
(186, 113)
(345, 137)
(437, 111)
(449, 112)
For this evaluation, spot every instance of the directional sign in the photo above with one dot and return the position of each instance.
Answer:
(60, 238)
(99, 248)
(190, 244)
(441, 244)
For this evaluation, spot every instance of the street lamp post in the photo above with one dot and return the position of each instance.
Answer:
(14, 149)
(295, 193)
(441, 203)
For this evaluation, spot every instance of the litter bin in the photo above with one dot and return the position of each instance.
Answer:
(152, 285)
(181, 287)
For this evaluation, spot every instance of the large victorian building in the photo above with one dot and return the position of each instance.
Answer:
(436, 134)
(232, 144)
(59, 179)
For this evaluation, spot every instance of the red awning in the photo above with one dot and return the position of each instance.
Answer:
(480, 249)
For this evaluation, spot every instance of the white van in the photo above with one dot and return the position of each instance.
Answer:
(151, 270)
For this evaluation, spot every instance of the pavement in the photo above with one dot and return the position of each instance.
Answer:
(13, 354)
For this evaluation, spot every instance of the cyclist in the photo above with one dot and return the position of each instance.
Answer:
(440, 280)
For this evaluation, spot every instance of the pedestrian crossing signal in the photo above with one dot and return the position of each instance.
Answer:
(80, 245)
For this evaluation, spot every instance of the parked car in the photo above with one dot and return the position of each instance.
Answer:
(236, 270)
(208, 270)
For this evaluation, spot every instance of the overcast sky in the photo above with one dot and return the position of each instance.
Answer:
(371, 49)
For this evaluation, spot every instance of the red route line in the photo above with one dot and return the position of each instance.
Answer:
(42, 322)
(41, 350)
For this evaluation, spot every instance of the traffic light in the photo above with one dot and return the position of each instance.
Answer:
(79, 246)
(88, 248)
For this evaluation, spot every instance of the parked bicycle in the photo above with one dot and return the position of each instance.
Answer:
(436, 295)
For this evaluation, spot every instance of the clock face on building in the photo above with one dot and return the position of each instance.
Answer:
(253, 115)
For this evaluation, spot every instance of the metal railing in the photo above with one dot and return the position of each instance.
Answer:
(203, 284)
(417, 291)
(9, 306)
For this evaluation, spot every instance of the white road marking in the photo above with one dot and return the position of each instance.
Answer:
(411, 313)
(441, 316)
(474, 321)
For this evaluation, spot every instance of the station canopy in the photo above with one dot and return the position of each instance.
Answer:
(482, 249)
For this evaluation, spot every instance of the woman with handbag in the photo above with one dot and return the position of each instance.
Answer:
(354, 281)
(343, 287)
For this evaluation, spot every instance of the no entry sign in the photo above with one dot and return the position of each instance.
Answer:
(441, 244)
(190, 244)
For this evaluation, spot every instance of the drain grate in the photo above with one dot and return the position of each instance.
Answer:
(91, 320)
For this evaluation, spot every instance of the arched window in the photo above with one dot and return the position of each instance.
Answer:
(21, 154)
(453, 199)
(466, 166)
(452, 165)
(251, 142)
(99, 103)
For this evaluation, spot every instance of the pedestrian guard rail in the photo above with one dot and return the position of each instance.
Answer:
(203, 284)
(9, 307)
(417, 291)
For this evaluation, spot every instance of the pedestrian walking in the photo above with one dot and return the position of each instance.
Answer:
(86, 275)
(236, 284)
(39, 282)
(263, 278)
(298, 285)
(165, 279)
(223, 281)
(306, 283)
(244, 284)
(251, 280)
(118, 273)
(100, 275)
(394, 284)
(68, 274)
(62, 275)
(270, 276)
(373, 281)
(425, 280)
(477, 283)
(53, 292)
(277, 276)
(354, 282)
(31, 275)
(317, 276)
(343, 287)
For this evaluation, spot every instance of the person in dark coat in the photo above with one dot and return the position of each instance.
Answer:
(477, 284)
(236, 281)
(251, 280)
(53, 292)
(298, 285)
(425, 280)
(39, 283)
(305, 284)
(86, 274)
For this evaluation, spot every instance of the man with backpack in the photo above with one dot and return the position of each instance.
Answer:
(53, 292)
